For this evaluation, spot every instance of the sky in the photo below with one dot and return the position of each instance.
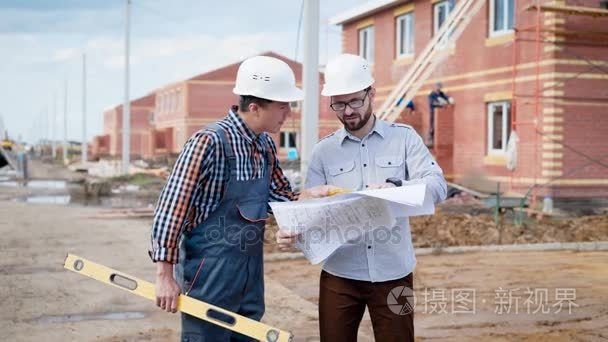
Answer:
(42, 43)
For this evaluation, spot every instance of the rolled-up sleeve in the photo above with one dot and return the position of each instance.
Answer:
(423, 168)
(172, 210)
(280, 188)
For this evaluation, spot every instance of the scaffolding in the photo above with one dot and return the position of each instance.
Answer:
(427, 61)
(538, 34)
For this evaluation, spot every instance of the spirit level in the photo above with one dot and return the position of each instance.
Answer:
(189, 305)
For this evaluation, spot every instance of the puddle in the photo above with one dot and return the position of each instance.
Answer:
(126, 188)
(35, 184)
(109, 316)
(104, 202)
(111, 202)
(61, 196)
(46, 184)
(44, 199)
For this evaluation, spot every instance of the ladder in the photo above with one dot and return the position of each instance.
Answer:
(426, 62)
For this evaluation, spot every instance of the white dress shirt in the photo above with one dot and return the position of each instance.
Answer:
(389, 150)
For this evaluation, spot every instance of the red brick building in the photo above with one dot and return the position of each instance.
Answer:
(110, 142)
(174, 112)
(493, 72)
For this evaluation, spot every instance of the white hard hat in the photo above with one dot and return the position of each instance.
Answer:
(347, 74)
(267, 78)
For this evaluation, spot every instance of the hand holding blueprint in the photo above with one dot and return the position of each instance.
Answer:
(327, 223)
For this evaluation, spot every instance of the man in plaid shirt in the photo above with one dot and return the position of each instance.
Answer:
(209, 221)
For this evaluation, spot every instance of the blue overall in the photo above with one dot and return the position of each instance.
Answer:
(220, 260)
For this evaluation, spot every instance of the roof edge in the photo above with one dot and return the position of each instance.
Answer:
(363, 10)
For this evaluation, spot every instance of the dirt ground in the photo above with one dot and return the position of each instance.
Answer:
(458, 229)
(42, 301)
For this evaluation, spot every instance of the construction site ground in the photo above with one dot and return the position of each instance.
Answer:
(42, 301)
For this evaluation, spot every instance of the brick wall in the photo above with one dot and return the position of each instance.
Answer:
(140, 127)
(478, 70)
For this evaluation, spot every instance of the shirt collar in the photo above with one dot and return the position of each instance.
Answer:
(235, 119)
(379, 128)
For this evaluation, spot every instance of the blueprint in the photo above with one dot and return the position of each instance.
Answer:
(325, 224)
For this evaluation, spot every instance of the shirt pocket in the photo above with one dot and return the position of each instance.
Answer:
(389, 166)
(344, 175)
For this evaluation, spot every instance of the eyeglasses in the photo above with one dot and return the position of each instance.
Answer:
(354, 104)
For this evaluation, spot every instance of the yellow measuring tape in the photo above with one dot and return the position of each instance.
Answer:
(189, 305)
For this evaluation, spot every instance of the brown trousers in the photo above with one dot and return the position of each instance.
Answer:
(342, 303)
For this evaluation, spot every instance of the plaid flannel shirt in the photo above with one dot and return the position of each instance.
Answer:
(196, 184)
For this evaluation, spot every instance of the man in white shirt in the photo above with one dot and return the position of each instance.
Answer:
(367, 153)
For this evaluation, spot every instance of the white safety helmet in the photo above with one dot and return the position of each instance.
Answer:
(267, 78)
(346, 74)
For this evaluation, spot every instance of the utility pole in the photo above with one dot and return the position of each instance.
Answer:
(83, 147)
(310, 107)
(65, 124)
(44, 138)
(44, 128)
(47, 124)
(53, 128)
(126, 108)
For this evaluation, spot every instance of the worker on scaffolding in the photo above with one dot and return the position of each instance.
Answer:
(209, 221)
(410, 108)
(437, 99)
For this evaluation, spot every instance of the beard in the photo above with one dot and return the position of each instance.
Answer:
(356, 125)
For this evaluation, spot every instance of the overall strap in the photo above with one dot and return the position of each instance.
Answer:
(227, 147)
(270, 158)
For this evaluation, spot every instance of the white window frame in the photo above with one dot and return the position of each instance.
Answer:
(506, 29)
(406, 19)
(436, 6)
(506, 123)
(366, 47)
(436, 27)
(285, 136)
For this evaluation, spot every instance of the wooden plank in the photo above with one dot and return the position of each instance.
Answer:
(572, 10)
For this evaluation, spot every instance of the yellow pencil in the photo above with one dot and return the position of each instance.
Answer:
(339, 191)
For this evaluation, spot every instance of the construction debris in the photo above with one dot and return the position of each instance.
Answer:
(443, 229)
(469, 230)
